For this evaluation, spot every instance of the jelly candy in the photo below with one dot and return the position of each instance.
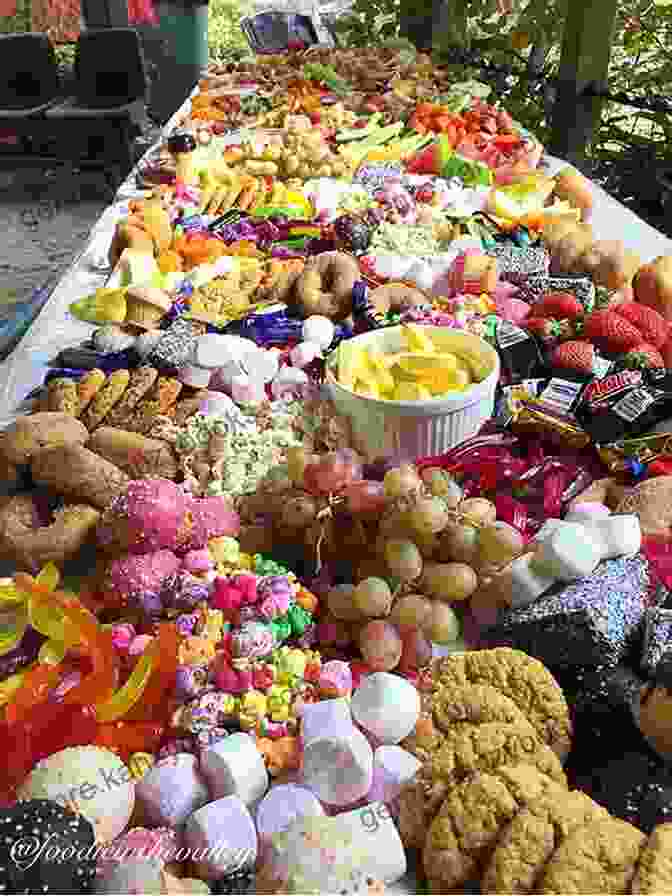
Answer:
(162, 679)
(127, 696)
(127, 738)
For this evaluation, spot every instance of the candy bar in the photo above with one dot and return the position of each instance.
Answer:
(234, 766)
(171, 790)
(282, 805)
(590, 622)
(221, 837)
(606, 389)
(629, 412)
(527, 584)
(517, 264)
(519, 353)
(571, 552)
(386, 706)
(373, 829)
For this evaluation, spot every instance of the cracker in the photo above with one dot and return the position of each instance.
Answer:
(142, 380)
(88, 387)
(106, 399)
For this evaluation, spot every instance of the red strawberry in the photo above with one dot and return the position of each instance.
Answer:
(644, 355)
(545, 328)
(649, 322)
(561, 305)
(611, 332)
(666, 353)
(578, 356)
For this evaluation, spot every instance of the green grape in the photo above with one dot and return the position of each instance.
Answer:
(429, 516)
(411, 611)
(373, 597)
(401, 481)
(441, 485)
(442, 625)
(341, 604)
(449, 581)
(403, 559)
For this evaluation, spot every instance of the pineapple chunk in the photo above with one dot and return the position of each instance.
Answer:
(417, 339)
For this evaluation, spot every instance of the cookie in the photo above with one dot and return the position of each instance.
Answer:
(520, 677)
(141, 381)
(62, 396)
(106, 399)
(473, 704)
(529, 840)
(468, 824)
(88, 387)
(187, 407)
(486, 747)
(598, 858)
(160, 403)
(654, 872)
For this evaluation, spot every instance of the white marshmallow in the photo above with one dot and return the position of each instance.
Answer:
(304, 354)
(316, 718)
(244, 389)
(235, 767)
(547, 529)
(621, 535)
(224, 375)
(587, 513)
(215, 349)
(171, 790)
(392, 768)
(195, 376)
(282, 805)
(318, 329)
(372, 828)
(222, 838)
(527, 584)
(337, 758)
(216, 404)
(288, 379)
(387, 706)
(571, 552)
(261, 365)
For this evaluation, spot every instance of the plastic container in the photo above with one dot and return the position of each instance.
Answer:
(404, 430)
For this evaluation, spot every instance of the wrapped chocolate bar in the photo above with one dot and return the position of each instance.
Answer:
(535, 288)
(628, 411)
(563, 391)
(519, 353)
(537, 418)
(517, 264)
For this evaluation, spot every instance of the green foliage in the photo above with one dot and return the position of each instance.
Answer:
(227, 41)
(19, 22)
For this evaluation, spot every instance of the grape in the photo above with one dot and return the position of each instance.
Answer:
(401, 481)
(443, 626)
(332, 473)
(297, 461)
(429, 516)
(442, 485)
(403, 560)
(381, 645)
(458, 543)
(341, 605)
(411, 611)
(479, 510)
(365, 496)
(373, 597)
(449, 581)
(299, 512)
(396, 524)
(498, 544)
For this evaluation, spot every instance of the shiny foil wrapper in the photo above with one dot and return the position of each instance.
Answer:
(537, 419)
(614, 460)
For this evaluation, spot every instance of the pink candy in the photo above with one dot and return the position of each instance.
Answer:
(134, 575)
(198, 561)
(210, 518)
(335, 679)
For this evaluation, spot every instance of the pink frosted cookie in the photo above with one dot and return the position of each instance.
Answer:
(147, 517)
(139, 578)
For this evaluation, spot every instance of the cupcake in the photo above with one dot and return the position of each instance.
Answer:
(146, 305)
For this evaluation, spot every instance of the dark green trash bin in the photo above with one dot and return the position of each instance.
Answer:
(184, 31)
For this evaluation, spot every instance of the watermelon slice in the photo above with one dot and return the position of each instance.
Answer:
(431, 159)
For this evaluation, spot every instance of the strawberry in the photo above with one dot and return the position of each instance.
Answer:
(644, 355)
(611, 332)
(561, 305)
(544, 328)
(666, 352)
(648, 321)
(578, 356)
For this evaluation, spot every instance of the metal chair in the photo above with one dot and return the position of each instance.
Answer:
(110, 101)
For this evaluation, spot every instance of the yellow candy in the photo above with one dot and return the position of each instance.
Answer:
(126, 697)
(417, 339)
(420, 365)
(379, 372)
(139, 764)
(10, 686)
(411, 392)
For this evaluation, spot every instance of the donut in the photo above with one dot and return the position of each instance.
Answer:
(30, 545)
(395, 297)
(325, 285)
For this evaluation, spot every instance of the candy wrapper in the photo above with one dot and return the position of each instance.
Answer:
(628, 411)
(535, 418)
(517, 264)
(519, 353)
(535, 288)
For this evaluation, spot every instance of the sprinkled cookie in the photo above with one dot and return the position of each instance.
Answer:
(88, 387)
(62, 396)
(139, 385)
(106, 399)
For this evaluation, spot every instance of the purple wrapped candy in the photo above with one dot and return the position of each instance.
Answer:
(23, 654)
(182, 591)
(190, 681)
(275, 597)
(186, 623)
(150, 603)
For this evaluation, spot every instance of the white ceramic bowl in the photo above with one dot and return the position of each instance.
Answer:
(405, 430)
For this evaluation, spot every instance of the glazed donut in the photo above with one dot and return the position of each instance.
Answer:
(395, 297)
(77, 473)
(30, 545)
(325, 285)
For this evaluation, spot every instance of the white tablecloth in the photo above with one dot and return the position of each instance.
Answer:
(56, 329)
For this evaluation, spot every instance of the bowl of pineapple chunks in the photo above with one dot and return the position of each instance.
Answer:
(413, 390)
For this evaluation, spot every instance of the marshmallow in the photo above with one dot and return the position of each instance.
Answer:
(171, 790)
(234, 766)
(304, 354)
(527, 583)
(216, 404)
(261, 365)
(222, 838)
(548, 528)
(373, 829)
(337, 758)
(387, 706)
(215, 349)
(392, 768)
(319, 330)
(621, 534)
(288, 379)
(571, 552)
(282, 805)
(195, 376)
(587, 513)
(244, 389)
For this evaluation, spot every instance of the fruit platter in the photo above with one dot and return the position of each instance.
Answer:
(339, 549)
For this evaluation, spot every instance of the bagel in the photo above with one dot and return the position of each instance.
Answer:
(325, 285)
(395, 297)
(30, 545)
